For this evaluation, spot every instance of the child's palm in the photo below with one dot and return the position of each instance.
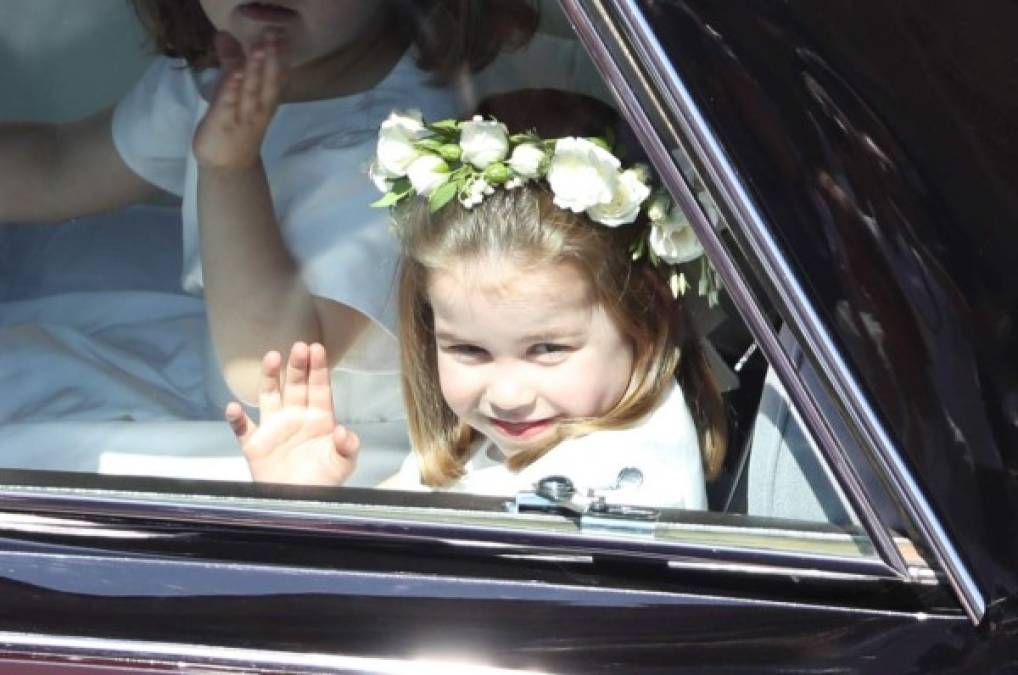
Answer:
(298, 440)
(231, 133)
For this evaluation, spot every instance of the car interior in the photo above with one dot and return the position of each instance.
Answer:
(116, 385)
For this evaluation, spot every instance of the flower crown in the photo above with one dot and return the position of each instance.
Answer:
(468, 160)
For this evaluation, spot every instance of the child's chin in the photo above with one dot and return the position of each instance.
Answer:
(515, 446)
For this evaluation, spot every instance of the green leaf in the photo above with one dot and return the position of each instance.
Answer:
(446, 126)
(441, 196)
(401, 186)
(432, 144)
(528, 137)
(386, 200)
(609, 137)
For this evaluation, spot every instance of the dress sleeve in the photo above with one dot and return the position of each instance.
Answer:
(344, 247)
(154, 123)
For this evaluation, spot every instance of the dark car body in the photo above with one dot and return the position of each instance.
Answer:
(863, 156)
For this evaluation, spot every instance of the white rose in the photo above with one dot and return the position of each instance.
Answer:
(630, 193)
(396, 139)
(673, 240)
(427, 173)
(581, 174)
(380, 177)
(483, 142)
(526, 160)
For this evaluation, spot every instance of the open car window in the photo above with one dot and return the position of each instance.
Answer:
(114, 395)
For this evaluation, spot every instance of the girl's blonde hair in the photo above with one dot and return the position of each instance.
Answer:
(525, 227)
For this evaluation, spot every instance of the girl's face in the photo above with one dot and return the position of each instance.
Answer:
(520, 349)
(313, 29)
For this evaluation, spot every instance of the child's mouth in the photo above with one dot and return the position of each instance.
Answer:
(267, 12)
(521, 430)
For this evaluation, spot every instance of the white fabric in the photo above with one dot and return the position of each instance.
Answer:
(663, 447)
(315, 154)
(105, 366)
(102, 363)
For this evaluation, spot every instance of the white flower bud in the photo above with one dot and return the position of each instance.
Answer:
(581, 174)
(427, 173)
(483, 142)
(673, 240)
(475, 193)
(395, 150)
(526, 160)
(630, 192)
(658, 208)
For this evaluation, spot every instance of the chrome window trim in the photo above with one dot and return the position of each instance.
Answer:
(741, 212)
(792, 550)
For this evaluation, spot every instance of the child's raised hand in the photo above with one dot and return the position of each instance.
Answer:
(298, 440)
(231, 133)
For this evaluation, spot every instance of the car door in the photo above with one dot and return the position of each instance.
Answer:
(902, 569)
(838, 143)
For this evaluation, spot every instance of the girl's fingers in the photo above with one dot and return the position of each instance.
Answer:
(269, 397)
(319, 381)
(345, 442)
(225, 104)
(295, 391)
(243, 427)
(272, 82)
(250, 95)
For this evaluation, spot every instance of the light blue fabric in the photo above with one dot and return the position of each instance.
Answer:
(787, 475)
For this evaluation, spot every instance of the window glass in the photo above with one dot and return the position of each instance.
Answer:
(206, 219)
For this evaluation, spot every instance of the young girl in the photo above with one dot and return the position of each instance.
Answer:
(266, 151)
(538, 333)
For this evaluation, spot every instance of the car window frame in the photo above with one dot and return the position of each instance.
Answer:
(618, 39)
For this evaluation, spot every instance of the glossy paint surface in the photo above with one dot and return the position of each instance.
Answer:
(878, 140)
(262, 591)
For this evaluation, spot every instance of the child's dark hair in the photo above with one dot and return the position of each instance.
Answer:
(450, 36)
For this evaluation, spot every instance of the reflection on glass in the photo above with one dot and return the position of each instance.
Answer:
(218, 210)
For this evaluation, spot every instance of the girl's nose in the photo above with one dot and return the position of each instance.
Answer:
(509, 396)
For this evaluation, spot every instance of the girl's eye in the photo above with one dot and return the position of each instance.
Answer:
(550, 351)
(472, 352)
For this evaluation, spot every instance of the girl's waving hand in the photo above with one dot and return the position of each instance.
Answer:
(298, 440)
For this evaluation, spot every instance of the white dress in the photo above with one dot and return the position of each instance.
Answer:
(663, 448)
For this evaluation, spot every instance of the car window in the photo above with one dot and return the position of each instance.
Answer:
(120, 341)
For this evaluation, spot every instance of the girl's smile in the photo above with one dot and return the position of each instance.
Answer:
(519, 349)
(527, 431)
